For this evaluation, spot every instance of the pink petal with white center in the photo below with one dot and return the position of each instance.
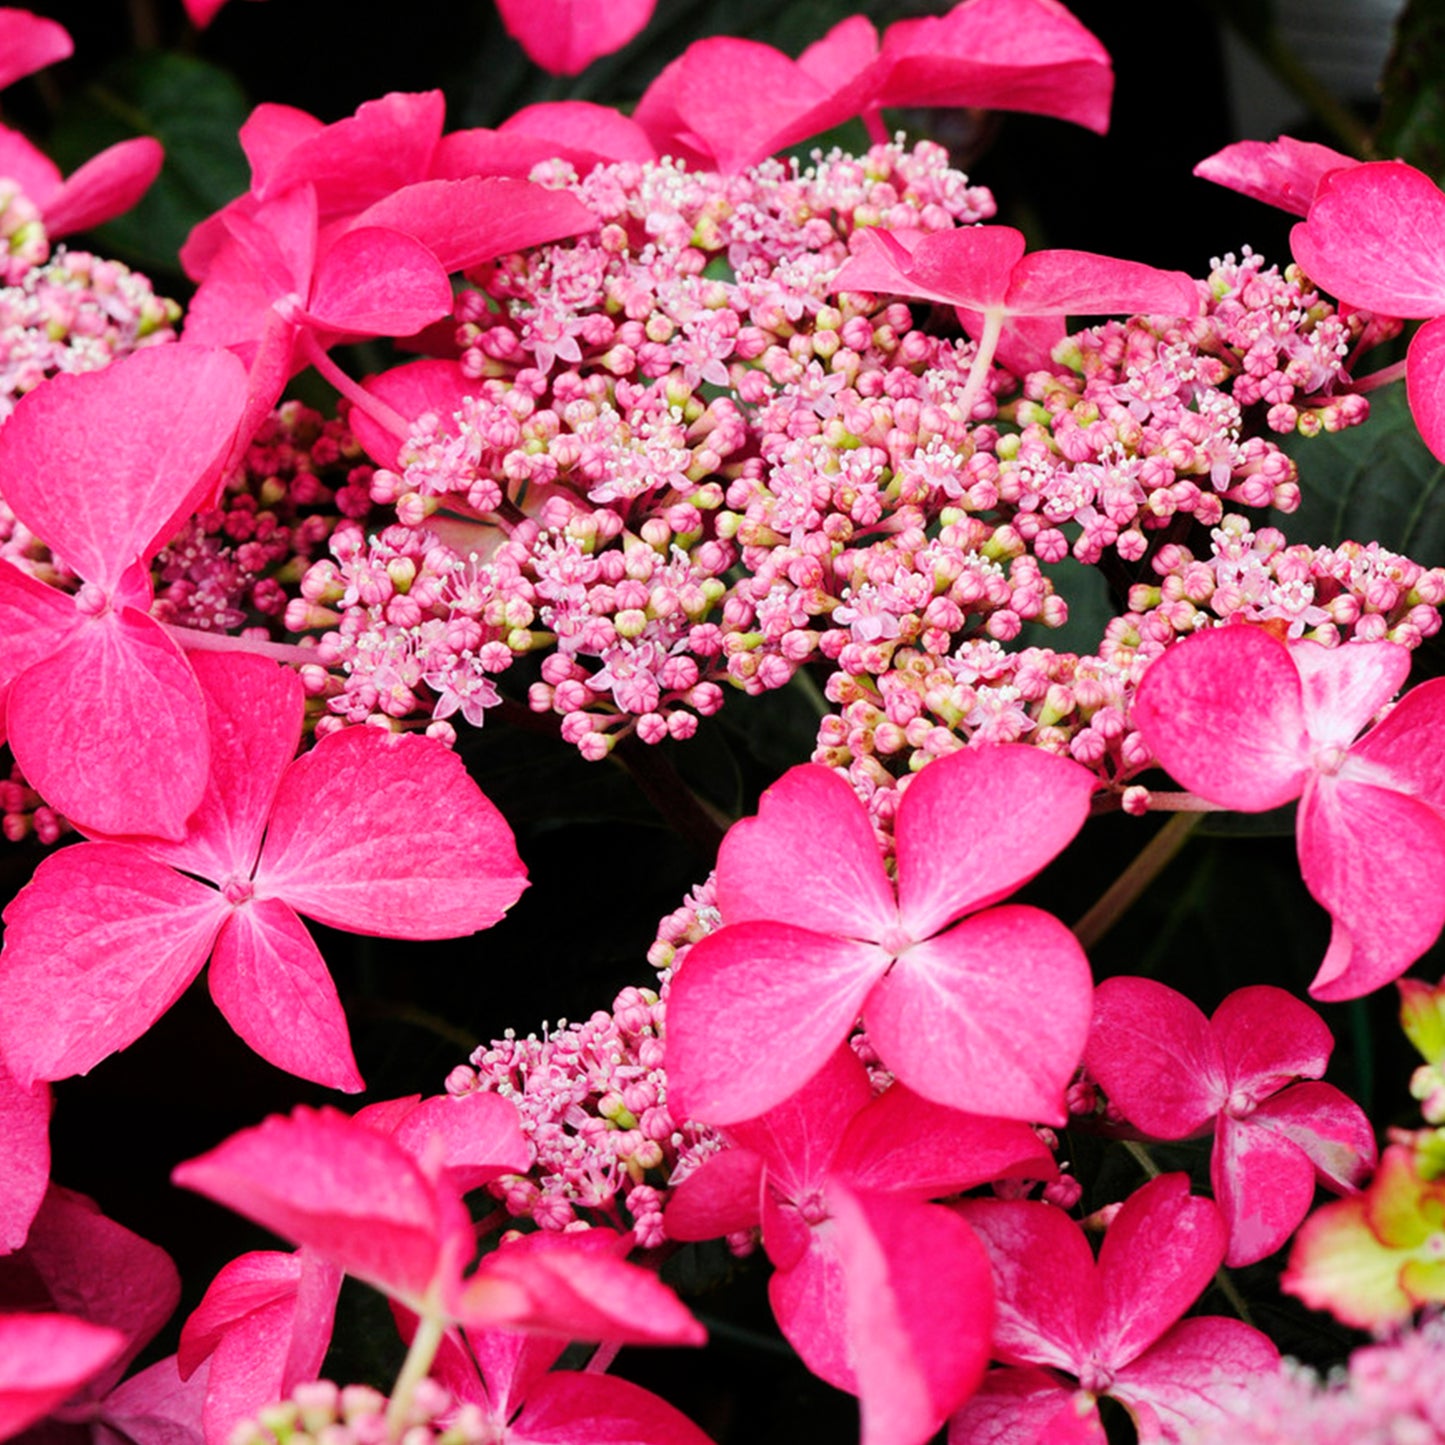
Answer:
(1344, 687)
(34, 621)
(1045, 1284)
(378, 282)
(962, 847)
(1331, 1130)
(1152, 1051)
(1223, 712)
(1425, 384)
(270, 981)
(98, 945)
(104, 465)
(1374, 859)
(756, 1010)
(1284, 173)
(914, 1365)
(385, 834)
(1026, 1406)
(29, 43)
(479, 1135)
(106, 186)
(155, 1407)
(110, 729)
(1266, 1037)
(1263, 1185)
(905, 1144)
(44, 1359)
(1158, 1255)
(568, 1407)
(972, 57)
(721, 1197)
(566, 36)
(768, 865)
(1201, 1373)
(465, 222)
(254, 714)
(990, 1017)
(1409, 745)
(25, 1167)
(355, 1196)
(1373, 239)
(578, 1285)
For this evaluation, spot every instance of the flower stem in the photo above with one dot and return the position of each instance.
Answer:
(1151, 860)
(194, 640)
(1383, 377)
(424, 1345)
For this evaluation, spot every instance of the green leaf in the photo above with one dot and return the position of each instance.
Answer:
(1376, 482)
(195, 110)
(1412, 118)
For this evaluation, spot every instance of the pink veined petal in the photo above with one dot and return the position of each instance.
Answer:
(357, 1197)
(915, 1365)
(34, 621)
(756, 1012)
(1025, 1406)
(769, 865)
(961, 846)
(1331, 1130)
(719, 1198)
(1409, 745)
(467, 221)
(1223, 712)
(250, 1282)
(1158, 1255)
(1200, 1374)
(809, 1304)
(842, 54)
(1373, 239)
(270, 133)
(990, 1017)
(111, 728)
(1425, 384)
(378, 282)
(480, 1137)
(99, 944)
(1266, 1037)
(1078, 283)
(383, 834)
(25, 1167)
(1344, 687)
(1284, 173)
(29, 43)
(44, 1359)
(1374, 859)
(970, 266)
(270, 981)
(879, 261)
(154, 1407)
(1045, 1283)
(1152, 1051)
(568, 1407)
(566, 36)
(106, 186)
(104, 465)
(577, 128)
(1263, 1185)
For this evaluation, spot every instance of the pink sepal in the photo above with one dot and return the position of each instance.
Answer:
(99, 944)
(1409, 744)
(155, 1407)
(1352, 838)
(990, 849)
(756, 1012)
(1026, 1406)
(1425, 383)
(386, 834)
(1200, 1374)
(375, 281)
(410, 390)
(1284, 173)
(25, 1165)
(270, 133)
(479, 1135)
(1238, 683)
(1332, 1131)
(29, 43)
(914, 1366)
(564, 37)
(721, 1197)
(842, 54)
(268, 978)
(577, 129)
(250, 1282)
(568, 1407)
(34, 619)
(765, 867)
(106, 186)
(44, 1359)
(949, 1017)
(1373, 239)
(1344, 687)
(1267, 1036)
(1263, 1185)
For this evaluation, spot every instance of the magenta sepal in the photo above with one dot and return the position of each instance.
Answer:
(1284, 173)
(107, 185)
(1027, 1406)
(564, 37)
(25, 1161)
(44, 1359)
(29, 43)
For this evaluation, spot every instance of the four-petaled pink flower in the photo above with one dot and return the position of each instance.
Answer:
(1251, 723)
(1173, 1073)
(988, 1015)
(369, 831)
(1114, 1326)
